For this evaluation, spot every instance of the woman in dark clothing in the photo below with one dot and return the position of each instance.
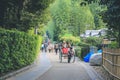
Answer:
(56, 48)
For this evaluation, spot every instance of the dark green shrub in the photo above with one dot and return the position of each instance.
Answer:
(93, 41)
(78, 52)
(84, 51)
(17, 49)
(81, 52)
(82, 44)
(113, 44)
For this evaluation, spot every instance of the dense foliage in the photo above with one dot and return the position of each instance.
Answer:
(70, 38)
(69, 17)
(111, 16)
(17, 49)
(93, 41)
(96, 10)
(22, 14)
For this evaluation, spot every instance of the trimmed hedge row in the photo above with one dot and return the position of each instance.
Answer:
(78, 51)
(81, 52)
(17, 49)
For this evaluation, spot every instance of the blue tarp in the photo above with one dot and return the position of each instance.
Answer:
(99, 51)
(87, 57)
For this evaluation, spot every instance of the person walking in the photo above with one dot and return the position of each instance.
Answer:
(42, 47)
(56, 48)
(45, 46)
(71, 53)
(49, 47)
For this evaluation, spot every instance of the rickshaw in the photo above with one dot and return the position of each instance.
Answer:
(64, 54)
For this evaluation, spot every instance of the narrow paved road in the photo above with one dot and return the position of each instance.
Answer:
(66, 71)
(42, 64)
(48, 67)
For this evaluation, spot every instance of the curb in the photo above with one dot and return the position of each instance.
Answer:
(16, 72)
(13, 73)
(91, 72)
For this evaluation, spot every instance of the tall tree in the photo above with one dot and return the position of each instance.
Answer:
(112, 17)
(70, 17)
(21, 14)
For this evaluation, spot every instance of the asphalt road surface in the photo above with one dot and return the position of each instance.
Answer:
(48, 67)
(64, 70)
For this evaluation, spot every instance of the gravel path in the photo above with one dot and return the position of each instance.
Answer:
(103, 73)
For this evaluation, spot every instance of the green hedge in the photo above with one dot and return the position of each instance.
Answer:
(17, 49)
(78, 51)
(82, 50)
(113, 44)
(93, 41)
(82, 44)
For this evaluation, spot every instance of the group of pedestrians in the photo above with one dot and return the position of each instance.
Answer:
(44, 47)
(50, 47)
(47, 47)
(59, 48)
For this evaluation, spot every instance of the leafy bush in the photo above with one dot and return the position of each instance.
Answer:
(81, 52)
(31, 31)
(84, 51)
(93, 40)
(113, 44)
(82, 44)
(17, 49)
(70, 37)
(78, 52)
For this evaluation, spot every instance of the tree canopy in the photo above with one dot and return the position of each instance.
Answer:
(69, 17)
(112, 17)
(22, 14)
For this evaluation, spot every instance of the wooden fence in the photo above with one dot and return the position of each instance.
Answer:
(111, 62)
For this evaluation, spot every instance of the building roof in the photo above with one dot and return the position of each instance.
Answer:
(96, 33)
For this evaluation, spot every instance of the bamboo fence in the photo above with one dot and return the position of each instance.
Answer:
(111, 62)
